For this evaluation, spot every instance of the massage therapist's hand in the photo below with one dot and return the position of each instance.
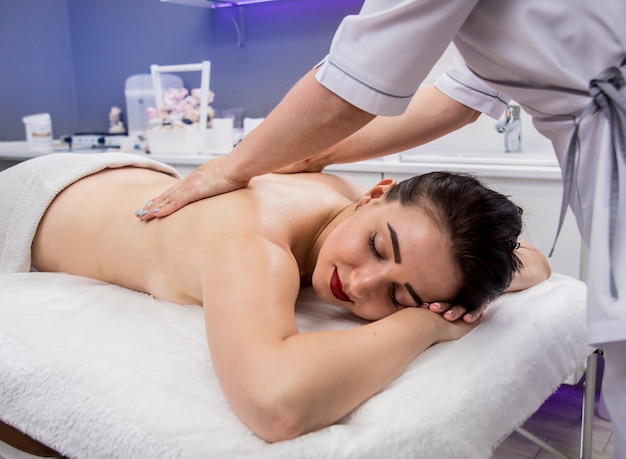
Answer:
(453, 313)
(207, 180)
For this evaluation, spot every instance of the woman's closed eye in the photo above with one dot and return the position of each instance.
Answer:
(372, 242)
(392, 296)
(392, 287)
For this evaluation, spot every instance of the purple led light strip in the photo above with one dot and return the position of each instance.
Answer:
(226, 3)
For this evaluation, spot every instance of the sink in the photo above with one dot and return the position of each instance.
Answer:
(531, 157)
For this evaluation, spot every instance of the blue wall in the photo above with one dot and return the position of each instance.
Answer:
(71, 58)
(36, 72)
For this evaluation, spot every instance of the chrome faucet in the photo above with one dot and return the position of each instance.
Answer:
(512, 129)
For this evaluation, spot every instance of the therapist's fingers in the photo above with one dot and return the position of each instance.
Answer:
(167, 203)
(204, 182)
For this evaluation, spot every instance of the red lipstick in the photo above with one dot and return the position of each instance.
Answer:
(337, 289)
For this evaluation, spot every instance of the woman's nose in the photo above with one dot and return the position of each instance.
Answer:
(365, 280)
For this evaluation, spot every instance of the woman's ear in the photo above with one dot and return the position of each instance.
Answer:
(380, 188)
(376, 191)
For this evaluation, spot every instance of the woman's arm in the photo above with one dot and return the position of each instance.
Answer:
(430, 115)
(282, 383)
(535, 268)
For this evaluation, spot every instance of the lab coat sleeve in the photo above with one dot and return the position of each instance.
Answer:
(378, 58)
(462, 85)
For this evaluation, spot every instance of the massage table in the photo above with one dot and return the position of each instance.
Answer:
(95, 370)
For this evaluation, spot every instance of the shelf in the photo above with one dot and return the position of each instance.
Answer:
(215, 3)
(239, 22)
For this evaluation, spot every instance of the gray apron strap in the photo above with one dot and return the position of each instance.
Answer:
(605, 92)
(604, 89)
(606, 97)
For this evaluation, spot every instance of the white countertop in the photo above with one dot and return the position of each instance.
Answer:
(531, 164)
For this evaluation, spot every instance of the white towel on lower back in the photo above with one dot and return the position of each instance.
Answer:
(28, 188)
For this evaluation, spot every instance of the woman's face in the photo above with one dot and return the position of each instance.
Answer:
(385, 257)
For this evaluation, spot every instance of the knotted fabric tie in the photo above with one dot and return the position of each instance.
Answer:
(606, 97)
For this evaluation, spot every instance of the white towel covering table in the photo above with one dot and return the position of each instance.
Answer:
(95, 370)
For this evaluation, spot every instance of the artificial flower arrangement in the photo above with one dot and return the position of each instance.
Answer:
(174, 127)
(180, 110)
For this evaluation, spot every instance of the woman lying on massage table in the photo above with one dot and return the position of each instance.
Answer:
(384, 254)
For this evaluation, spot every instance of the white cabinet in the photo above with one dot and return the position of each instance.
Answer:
(366, 179)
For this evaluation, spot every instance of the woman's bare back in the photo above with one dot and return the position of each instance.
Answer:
(89, 229)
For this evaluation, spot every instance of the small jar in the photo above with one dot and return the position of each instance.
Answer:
(38, 131)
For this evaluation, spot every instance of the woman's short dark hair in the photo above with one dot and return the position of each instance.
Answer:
(482, 225)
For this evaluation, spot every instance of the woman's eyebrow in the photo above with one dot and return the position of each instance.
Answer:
(396, 257)
(394, 243)
(413, 294)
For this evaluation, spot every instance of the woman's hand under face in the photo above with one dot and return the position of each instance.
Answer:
(443, 330)
(453, 313)
(535, 269)
(453, 330)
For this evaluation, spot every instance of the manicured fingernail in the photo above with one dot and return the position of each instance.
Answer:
(450, 314)
(155, 210)
(141, 212)
(149, 203)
